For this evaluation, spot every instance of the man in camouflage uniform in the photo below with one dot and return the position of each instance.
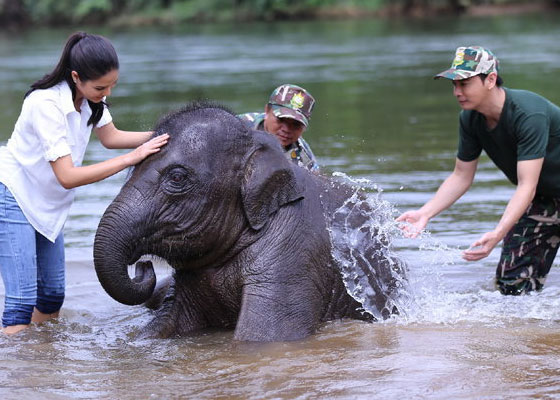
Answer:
(520, 132)
(286, 116)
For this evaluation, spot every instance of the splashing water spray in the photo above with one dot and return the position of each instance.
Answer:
(361, 231)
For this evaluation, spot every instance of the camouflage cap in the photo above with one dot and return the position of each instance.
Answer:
(291, 101)
(470, 61)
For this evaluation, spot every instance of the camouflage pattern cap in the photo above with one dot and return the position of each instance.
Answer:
(470, 61)
(291, 101)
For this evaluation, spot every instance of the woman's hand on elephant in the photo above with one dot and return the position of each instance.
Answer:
(150, 147)
(413, 222)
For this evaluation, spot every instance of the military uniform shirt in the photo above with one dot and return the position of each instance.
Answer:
(528, 129)
(298, 152)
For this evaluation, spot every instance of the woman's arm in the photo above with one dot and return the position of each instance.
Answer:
(113, 138)
(70, 176)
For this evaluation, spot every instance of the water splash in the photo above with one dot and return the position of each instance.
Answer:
(361, 231)
(428, 281)
(447, 290)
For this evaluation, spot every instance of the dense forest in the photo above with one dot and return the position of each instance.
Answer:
(15, 14)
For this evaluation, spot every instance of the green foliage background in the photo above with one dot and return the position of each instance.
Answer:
(15, 13)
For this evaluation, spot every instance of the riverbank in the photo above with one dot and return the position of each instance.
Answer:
(396, 11)
(393, 10)
(114, 14)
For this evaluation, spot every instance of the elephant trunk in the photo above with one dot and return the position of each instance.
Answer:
(115, 247)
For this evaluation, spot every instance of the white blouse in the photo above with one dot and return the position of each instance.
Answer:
(48, 127)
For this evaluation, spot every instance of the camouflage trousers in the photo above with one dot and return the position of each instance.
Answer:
(529, 248)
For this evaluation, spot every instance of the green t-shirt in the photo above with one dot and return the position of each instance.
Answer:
(529, 128)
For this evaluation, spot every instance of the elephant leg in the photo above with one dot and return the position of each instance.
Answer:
(176, 315)
(191, 304)
(278, 312)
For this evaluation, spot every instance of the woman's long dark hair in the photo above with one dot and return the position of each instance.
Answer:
(91, 56)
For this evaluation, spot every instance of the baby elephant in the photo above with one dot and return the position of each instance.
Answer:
(246, 232)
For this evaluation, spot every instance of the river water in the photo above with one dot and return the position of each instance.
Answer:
(380, 118)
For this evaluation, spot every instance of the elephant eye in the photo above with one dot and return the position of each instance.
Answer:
(177, 179)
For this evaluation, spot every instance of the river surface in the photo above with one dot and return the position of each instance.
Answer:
(380, 118)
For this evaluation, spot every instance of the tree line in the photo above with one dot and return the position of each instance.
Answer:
(16, 14)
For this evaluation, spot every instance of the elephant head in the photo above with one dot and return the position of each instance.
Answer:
(204, 197)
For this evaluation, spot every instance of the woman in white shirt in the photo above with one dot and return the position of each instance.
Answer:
(41, 165)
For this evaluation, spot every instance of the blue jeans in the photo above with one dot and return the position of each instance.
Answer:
(32, 267)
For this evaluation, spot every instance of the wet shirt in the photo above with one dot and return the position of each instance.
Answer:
(298, 152)
(528, 129)
(48, 127)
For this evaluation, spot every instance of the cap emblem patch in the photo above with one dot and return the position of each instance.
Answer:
(297, 101)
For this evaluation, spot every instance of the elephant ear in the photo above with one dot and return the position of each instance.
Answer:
(270, 182)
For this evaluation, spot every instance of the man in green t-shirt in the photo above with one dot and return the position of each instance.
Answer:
(520, 132)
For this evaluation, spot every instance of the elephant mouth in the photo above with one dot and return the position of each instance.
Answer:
(185, 253)
(135, 256)
(178, 250)
(158, 244)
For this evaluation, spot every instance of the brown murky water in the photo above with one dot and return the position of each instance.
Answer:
(379, 118)
(454, 345)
